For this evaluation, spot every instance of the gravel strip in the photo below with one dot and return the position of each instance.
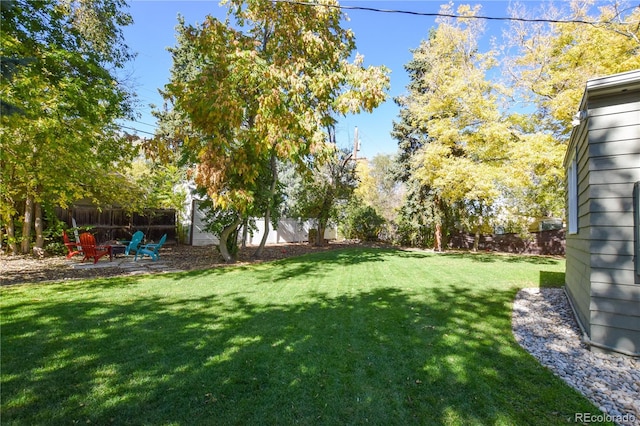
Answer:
(544, 325)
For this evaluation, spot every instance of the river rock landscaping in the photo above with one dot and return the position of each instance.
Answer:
(544, 325)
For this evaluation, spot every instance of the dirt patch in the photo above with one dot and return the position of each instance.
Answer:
(29, 269)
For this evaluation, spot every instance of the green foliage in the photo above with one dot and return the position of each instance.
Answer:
(60, 143)
(55, 248)
(155, 185)
(292, 181)
(415, 223)
(378, 186)
(328, 188)
(362, 222)
(556, 60)
(218, 220)
(279, 74)
(468, 160)
(467, 137)
(53, 243)
(173, 126)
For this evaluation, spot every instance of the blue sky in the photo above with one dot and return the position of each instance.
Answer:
(383, 39)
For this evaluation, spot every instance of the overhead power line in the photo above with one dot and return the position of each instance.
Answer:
(445, 15)
(146, 124)
(137, 130)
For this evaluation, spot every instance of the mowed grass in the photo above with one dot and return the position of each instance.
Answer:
(358, 336)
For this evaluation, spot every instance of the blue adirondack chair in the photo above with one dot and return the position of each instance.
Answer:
(132, 246)
(151, 250)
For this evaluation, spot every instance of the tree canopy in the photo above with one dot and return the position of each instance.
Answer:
(328, 187)
(470, 157)
(266, 85)
(481, 132)
(556, 60)
(60, 97)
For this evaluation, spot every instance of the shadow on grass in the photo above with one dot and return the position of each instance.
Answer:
(323, 263)
(383, 356)
(551, 279)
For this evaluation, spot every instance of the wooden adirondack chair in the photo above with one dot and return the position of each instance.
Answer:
(132, 246)
(74, 248)
(90, 249)
(151, 250)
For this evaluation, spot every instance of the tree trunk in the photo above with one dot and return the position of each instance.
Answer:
(476, 239)
(263, 241)
(438, 235)
(224, 236)
(11, 236)
(438, 214)
(39, 226)
(245, 233)
(322, 225)
(26, 226)
(267, 213)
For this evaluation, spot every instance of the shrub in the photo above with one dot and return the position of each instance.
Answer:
(55, 248)
(363, 222)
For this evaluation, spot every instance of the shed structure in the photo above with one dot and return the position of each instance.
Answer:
(288, 231)
(603, 214)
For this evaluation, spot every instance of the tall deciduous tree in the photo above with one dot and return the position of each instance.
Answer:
(378, 187)
(267, 82)
(478, 159)
(556, 60)
(553, 63)
(329, 185)
(457, 107)
(58, 143)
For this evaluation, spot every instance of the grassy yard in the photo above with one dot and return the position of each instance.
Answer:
(355, 336)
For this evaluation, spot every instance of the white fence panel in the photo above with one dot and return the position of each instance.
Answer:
(289, 231)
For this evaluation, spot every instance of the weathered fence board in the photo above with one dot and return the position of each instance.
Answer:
(542, 243)
(116, 224)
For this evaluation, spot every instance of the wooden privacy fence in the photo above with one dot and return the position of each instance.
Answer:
(543, 242)
(115, 223)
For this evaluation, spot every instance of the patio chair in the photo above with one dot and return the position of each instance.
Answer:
(132, 246)
(73, 248)
(151, 250)
(90, 249)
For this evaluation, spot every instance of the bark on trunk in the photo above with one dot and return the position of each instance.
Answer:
(322, 225)
(476, 239)
(438, 214)
(263, 241)
(267, 214)
(438, 237)
(224, 236)
(245, 233)
(11, 236)
(26, 226)
(39, 226)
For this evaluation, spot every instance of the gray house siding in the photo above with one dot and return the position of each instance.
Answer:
(578, 245)
(601, 282)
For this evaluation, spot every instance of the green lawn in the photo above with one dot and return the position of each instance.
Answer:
(355, 336)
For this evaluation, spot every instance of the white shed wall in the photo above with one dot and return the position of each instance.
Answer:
(288, 231)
